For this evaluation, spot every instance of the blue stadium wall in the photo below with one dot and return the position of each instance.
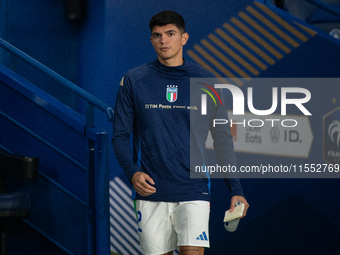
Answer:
(286, 215)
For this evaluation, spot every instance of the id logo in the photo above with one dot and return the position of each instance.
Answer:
(331, 137)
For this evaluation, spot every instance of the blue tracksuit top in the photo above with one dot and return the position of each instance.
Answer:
(154, 103)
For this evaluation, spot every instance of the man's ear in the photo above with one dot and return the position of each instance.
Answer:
(185, 38)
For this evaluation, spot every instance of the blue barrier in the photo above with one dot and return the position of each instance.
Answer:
(73, 179)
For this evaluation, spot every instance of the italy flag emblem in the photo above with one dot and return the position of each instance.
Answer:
(171, 93)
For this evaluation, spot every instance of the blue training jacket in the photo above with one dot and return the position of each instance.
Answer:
(169, 132)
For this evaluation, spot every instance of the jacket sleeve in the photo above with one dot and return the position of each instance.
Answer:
(224, 148)
(122, 128)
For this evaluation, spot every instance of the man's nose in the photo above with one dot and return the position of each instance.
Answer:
(163, 38)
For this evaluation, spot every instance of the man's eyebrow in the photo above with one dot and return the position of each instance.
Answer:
(170, 31)
(166, 32)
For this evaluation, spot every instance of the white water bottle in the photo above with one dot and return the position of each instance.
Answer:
(231, 226)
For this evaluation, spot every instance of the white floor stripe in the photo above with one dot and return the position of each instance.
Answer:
(127, 237)
(123, 195)
(120, 248)
(131, 229)
(122, 241)
(124, 186)
(130, 216)
(124, 238)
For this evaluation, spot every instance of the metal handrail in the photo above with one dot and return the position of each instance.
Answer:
(57, 77)
(93, 181)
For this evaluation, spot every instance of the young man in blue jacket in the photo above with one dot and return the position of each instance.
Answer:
(154, 104)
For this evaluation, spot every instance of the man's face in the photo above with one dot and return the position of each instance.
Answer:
(168, 42)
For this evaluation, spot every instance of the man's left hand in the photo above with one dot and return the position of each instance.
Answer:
(234, 199)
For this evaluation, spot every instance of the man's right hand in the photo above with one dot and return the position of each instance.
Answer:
(140, 181)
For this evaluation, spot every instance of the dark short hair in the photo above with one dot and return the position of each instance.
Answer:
(167, 17)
